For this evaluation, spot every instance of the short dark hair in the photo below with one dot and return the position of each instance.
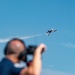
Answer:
(6, 50)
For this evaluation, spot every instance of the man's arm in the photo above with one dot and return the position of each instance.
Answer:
(35, 67)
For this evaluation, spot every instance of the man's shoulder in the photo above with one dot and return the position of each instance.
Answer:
(5, 66)
(6, 63)
(8, 68)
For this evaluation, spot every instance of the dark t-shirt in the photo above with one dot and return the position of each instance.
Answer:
(8, 68)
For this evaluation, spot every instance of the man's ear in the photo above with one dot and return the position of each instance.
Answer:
(6, 48)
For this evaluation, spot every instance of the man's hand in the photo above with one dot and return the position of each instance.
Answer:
(35, 67)
(41, 48)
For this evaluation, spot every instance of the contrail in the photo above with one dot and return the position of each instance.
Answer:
(24, 37)
(27, 37)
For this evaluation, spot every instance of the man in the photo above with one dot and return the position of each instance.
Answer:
(12, 51)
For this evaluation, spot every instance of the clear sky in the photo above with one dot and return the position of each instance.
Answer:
(29, 17)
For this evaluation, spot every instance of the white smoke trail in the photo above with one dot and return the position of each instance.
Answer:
(27, 37)
(24, 37)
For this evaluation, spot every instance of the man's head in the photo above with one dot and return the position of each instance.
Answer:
(15, 47)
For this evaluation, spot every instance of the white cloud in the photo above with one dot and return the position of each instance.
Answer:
(71, 45)
(53, 72)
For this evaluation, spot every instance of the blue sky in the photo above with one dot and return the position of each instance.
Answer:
(30, 17)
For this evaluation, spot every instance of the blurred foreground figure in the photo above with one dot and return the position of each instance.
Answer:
(15, 53)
